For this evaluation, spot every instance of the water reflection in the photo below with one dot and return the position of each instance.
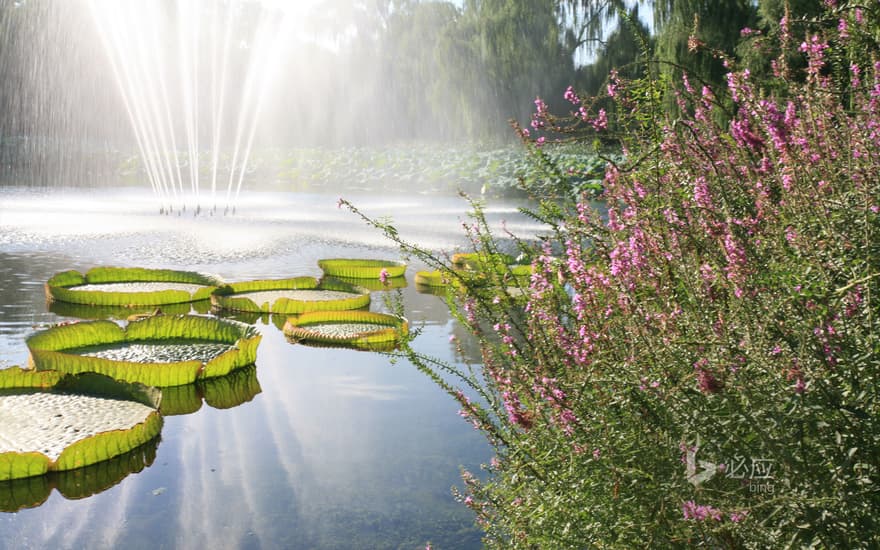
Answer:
(329, 448)
(31, 492)
(223, 392)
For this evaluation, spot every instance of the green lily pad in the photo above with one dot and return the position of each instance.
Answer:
(31, 492)
(390, 283)
(362, 268)
(159, 350)
(129, 287)
(361, 329)
(291, 296)
(51, 422)
(431, 278)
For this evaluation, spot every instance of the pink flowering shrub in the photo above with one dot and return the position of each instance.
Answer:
(694, 360)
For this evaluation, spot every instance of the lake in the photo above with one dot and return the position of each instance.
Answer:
(315, 447)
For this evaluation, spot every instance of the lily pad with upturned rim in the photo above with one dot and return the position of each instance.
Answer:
(31, 492)
(59, 348)
(362, 329)
(53, 422)
(361, 268)
(373, 285)
(130, 286)
(291, 296)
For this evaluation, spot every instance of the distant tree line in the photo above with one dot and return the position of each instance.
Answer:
(380, 71)
(452, 70)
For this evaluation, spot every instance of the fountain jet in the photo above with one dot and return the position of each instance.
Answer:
(191, 73)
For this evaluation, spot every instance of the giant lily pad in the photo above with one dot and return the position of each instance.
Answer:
(374, 284)
(51, 422)
(159, 351)
(291, 296)
(123, 286)
(362, 268)
(361, 329)
(31, 492)
(434, 278)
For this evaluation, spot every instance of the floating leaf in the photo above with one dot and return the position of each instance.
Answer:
(30, 492)
(70, 348)
(361, 268)
(75, 422)
(291, 296)
(130, 286)
(362, 329)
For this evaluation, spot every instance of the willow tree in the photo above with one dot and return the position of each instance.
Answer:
(692, 34)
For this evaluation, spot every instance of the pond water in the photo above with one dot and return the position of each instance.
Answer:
(328, 448)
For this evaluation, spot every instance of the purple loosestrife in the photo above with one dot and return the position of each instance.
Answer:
(724, 291)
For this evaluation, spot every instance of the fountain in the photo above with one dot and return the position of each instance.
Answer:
(192, 76)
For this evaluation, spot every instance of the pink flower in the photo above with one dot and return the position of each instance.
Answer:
(571, 96)
(601, 121)
(540, 141)
(842, 28)
(700, 512)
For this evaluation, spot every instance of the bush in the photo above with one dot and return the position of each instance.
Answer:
(696, 364)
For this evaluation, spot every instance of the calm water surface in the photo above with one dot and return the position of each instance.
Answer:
(315, 448)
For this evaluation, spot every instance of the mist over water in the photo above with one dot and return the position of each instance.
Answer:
(183, 95)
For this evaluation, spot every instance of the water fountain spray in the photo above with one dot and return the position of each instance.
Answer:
(187, 70)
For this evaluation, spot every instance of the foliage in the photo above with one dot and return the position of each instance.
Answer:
(54, 349)
(358, 268)
(33, 491)
(89, 450)
(475, 169)
(235, 296)
(62, 286)
(695, 366)
(376, 330)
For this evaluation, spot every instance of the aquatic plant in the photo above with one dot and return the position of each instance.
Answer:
(290, 296)
(354, 268)
(494, 172)
(696, 366)
(158, 351)
(54, 421)
(362, 329)
(31, 492)
(129, 286)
